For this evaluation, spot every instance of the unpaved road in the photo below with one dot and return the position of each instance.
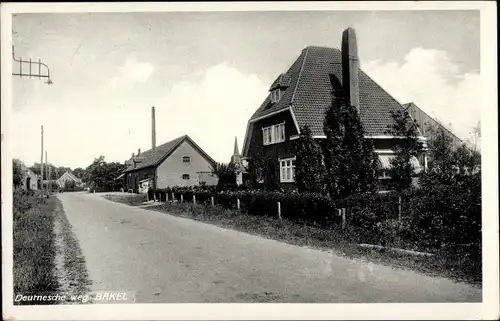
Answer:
(167, 259)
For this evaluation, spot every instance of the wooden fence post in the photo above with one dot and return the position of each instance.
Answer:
(238, 203)
(213, 202)
(343, 219)
(182, 198)
(194, 199)
(279, 211)
(399, 211)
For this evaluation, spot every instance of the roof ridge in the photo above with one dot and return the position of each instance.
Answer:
(434, 119)
(299, 76)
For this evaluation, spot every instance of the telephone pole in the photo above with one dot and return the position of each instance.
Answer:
(41, 164)
(46, 171)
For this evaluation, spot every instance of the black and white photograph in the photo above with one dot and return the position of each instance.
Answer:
(333, 153)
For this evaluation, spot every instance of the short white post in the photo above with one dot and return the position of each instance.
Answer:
(94, 191)
(182, 198)
(343, 219)
(154, 196)
(173, 197)
(279, 211)
(238, 203)
(213, 202)
(194, 199)
(166, 197)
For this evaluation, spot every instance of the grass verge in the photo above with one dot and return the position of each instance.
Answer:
(442, 263)
(47, 258)
(33, 247)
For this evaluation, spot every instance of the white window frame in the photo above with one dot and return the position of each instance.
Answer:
(277, 134)
(275, 95)
(285, 165)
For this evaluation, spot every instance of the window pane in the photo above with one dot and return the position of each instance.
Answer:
(269, 135)
(288, 173)
(282, 130)
(287, 163)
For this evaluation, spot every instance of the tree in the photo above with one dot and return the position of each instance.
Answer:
(17, 173)
(309, 169)
(101, 175)
(226, 174)
(334, 156)
(351, 164)
(406, 130)
(79, 172)
(441, 149)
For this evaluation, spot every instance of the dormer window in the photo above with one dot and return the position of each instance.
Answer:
(275, 95)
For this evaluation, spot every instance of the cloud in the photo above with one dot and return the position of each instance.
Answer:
(132, 72)
(212, 111)
(432, 81)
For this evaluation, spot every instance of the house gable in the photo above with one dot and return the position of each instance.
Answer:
(182, 167)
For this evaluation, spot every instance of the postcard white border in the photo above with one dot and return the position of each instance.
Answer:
(488, 310)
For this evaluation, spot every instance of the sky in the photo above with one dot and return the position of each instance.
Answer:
(207, 72)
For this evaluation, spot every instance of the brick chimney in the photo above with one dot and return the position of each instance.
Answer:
(350, 67)
(153, 128)
(138, 151)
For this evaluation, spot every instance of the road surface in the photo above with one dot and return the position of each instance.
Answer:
(168, 259)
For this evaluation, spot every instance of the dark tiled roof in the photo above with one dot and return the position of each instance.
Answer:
(313, 77)
(153, 157)
(283, 81)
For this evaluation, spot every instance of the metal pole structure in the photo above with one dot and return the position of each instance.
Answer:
(41, 164)
(30, 74)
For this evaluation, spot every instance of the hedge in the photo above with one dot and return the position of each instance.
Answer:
(432, 219)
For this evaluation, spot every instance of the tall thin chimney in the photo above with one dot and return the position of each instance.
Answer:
(153, 128)
(350, 67)
(138, 151)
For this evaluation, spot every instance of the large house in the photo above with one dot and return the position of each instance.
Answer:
(68, 177)
(302, 95)
(179, 162)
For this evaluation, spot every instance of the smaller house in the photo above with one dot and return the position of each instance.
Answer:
(179, 162)
(31, 181)
(68, 177)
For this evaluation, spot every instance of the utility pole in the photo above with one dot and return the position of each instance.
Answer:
(47, 171)
(41, 164)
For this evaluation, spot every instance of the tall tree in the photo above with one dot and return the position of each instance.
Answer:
(360, 156)
(309, 168)
(334, 156)
(409, 145)
(351, 164)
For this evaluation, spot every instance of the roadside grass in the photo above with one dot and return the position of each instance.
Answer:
(131, 199)
(33, 245)
(47, 260)
(333, 239)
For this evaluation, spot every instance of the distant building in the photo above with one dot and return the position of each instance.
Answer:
(68, 177)
(31, 181)
(179, 162)
(239, 164)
